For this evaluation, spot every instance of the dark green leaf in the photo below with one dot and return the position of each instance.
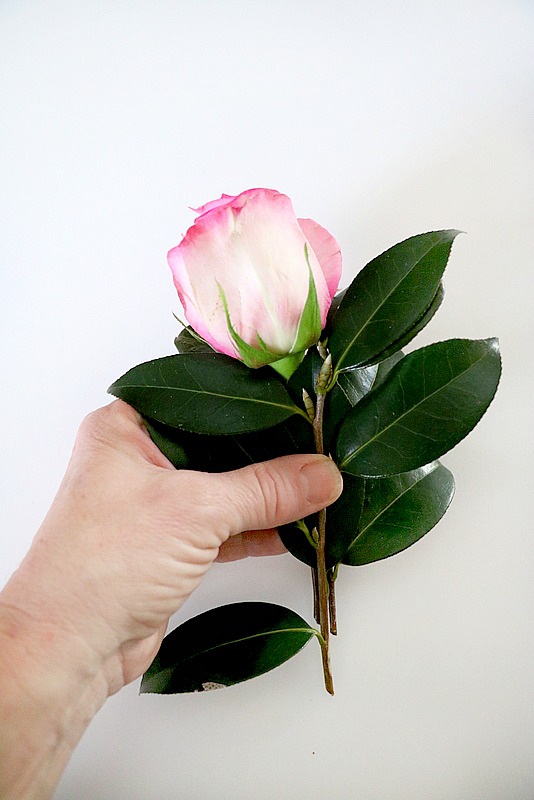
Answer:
(170, 448)
(222, 453)
(429, 401)
(296, 541)
(225, 646)
(190, 342)
(295, 435)
(417, 328)
(206, 393)
(356, 383)
(385, 367)
(388, 298)
(342, 519)
(351, 386)
(398, 511)
(348, 390)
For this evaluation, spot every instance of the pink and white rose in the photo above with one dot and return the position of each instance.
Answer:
(256, 282)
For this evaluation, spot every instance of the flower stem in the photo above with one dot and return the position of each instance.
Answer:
(332, 601)
(315, 588)
(322, 578)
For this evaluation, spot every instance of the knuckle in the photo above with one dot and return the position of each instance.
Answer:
(267, 491)
(106, 423)
(93, 425)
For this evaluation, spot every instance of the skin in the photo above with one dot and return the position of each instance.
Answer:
(126, 541)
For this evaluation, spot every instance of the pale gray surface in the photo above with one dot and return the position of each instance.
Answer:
(381, 120)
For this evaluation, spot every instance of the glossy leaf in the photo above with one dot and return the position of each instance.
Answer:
(222, 453)
(342, 519)
(398, 511)
(224, 646)
(356, 383)
(385, 367)
(417, 328)
(206, 393)
(429, 401)
(388, 298)
(351, 387)
(296, 541)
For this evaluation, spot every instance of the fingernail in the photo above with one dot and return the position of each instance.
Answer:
(321, 481)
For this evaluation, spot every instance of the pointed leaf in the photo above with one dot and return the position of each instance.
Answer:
(429, 401)
(388, 298)
(225, 646)
(398, 511)
(206, 393)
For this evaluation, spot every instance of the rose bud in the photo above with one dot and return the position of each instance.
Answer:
(254, 281)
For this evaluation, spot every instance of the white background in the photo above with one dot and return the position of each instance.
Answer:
(380, 119)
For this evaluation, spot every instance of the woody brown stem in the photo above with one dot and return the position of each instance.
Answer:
(315, 588)
(322, 578)
(332, 601)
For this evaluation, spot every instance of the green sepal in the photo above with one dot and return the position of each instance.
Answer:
(253, 357)
(287, 366)
(309, 329)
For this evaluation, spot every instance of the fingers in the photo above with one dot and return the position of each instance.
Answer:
(273, 493)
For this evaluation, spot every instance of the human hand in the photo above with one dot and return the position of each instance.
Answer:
(126, 541)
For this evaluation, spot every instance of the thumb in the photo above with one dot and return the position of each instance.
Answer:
(276, 492)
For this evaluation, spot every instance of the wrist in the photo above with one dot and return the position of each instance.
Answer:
(52, 685)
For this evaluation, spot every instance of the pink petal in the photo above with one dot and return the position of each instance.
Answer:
(218, 338)
(233, 201)
(326, 249)
(223, 200)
